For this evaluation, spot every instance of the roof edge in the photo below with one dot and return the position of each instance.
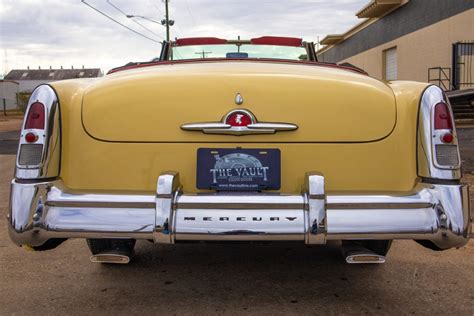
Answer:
(387, 7)
(331, 38)
(378, 8)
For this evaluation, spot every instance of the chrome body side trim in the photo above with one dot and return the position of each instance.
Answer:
(45, 210)
(49, 137)
(254, 128)
(428, 138)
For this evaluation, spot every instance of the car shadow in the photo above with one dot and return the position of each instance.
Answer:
(247, 276)
(9, 142)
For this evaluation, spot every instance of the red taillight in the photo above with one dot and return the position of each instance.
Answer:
(442, 117)
(35, 118)
(447, 138)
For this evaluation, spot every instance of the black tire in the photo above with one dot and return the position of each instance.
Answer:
(97, 246)
(429, 244)
(49, 244)
(380, 247)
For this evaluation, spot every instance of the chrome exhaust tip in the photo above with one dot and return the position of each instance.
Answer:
(365, 258)
(355, 254)
(115, 257)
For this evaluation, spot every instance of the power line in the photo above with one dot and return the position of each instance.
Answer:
(131, 16)
(152, 2)
(180, 31)
(125, 14)
(110, 18)
(189, 12)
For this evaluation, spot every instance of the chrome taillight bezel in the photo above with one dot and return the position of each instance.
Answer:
(49, 137)
(429, 138)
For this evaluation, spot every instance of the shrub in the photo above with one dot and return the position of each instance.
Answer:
(22, 100)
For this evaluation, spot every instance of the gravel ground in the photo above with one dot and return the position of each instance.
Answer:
(466, 145)
(194, 279)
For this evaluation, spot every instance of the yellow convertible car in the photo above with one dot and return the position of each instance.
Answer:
(238, 140)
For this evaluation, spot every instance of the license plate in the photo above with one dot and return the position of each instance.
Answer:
(238, 169)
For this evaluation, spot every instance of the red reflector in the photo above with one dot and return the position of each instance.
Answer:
(35, 118)
(239, 119)
(30, 138)
(447, 138)
(442, 117)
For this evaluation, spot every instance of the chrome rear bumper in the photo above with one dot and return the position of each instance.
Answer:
(41, 211)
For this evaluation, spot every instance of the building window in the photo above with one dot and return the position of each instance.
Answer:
(390, 71)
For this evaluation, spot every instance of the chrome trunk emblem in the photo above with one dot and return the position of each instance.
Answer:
(238, 99)
(239, 122)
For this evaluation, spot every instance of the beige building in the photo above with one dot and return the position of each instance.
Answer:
(421, 40)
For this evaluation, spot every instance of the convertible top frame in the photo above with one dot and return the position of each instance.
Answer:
(264, 40)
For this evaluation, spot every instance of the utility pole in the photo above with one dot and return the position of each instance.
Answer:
(167, 22)
(203, 54)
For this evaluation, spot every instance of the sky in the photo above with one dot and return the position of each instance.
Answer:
(54, 33)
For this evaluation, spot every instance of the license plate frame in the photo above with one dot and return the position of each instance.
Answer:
(238, 169)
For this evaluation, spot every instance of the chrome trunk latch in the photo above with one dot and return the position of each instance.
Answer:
(239, 122)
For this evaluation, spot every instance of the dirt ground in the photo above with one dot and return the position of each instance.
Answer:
(263, 279)
(9, 124)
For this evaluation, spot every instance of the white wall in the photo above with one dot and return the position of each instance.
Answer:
(8, 91)
(29, 85)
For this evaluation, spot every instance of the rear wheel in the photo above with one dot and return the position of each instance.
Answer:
(97, 246)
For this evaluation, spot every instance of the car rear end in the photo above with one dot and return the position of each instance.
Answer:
(158, 154)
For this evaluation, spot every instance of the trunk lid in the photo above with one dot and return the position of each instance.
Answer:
(150, 104)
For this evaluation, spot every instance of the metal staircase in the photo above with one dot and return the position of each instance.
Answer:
(457, 81)
(463, 106)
